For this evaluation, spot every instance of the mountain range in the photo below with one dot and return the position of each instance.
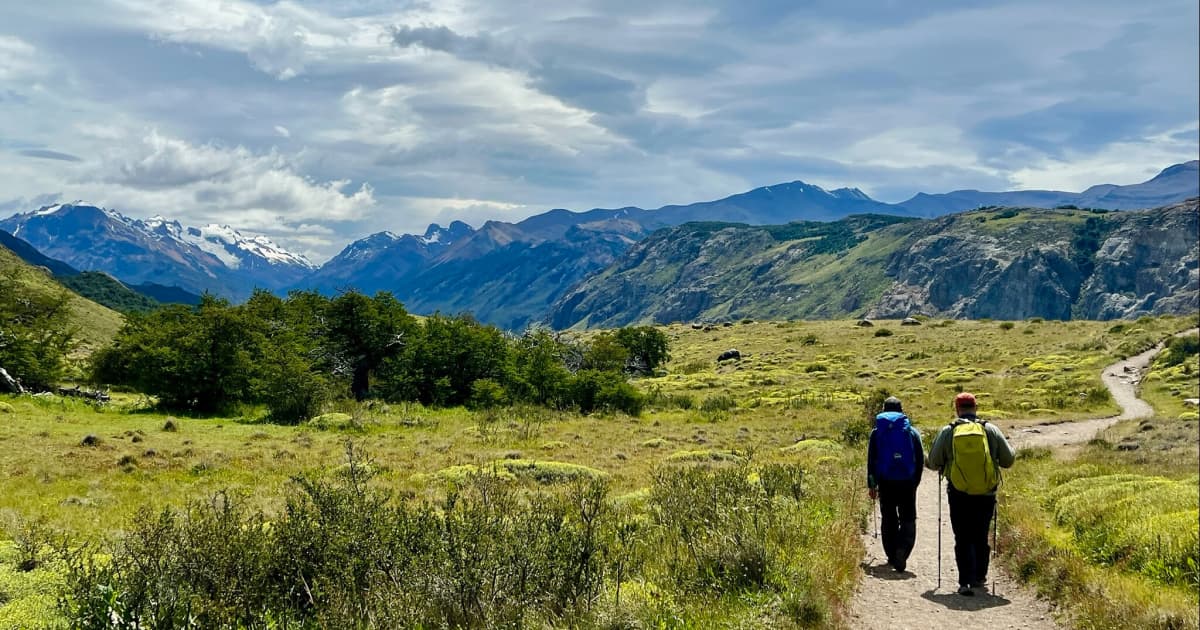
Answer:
(215, 258)
(504, 273)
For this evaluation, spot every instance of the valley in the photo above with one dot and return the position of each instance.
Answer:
(797, 400)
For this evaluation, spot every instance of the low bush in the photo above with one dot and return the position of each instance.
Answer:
(343, 553)
(718, 402)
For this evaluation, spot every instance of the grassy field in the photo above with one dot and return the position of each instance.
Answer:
(796, 397)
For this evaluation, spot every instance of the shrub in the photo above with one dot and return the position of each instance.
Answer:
(343, 554)
(855, 431)
(487, 394)
(1007, 325)
(549, 472)
(719, 529)
(590, 390)
(704, 455)
(648, 347)
(1180, 350)
(718, 402)
(884, 332)
(292, 391)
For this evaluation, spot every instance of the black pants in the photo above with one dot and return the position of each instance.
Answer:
(970, 517)
(898, 508)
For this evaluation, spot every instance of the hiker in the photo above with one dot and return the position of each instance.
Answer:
(894, 462)
(969, 453)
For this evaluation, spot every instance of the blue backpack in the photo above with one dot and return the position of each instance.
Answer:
(894, 458)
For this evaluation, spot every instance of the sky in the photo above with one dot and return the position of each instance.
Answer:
(317, 122)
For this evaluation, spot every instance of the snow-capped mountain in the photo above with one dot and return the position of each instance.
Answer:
(378, 261)
(214, 258)
(230, 246)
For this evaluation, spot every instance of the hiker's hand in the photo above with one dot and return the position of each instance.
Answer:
(873, 493)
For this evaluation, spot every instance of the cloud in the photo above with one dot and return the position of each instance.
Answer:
(47, 154)
(18, 59)
(473, 47)
(21, 204)
(278, 114)
(229, 179)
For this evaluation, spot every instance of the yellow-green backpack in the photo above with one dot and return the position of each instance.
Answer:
(972, 469)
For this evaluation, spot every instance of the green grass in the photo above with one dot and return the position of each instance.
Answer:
(1172, 380)
(770, 407)
(1112, 533)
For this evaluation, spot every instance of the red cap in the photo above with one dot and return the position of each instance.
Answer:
(964, 399)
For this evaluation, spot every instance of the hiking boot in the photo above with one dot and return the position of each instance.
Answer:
(965, 590)
(981, 585)
(899, 566)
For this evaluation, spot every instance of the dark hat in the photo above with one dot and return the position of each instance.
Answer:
(892, 404)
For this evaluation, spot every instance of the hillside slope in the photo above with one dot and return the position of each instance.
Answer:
(99, 286)
(97, 325)
(1000, 263)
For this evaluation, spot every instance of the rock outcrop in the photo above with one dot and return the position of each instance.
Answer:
(1001, 263)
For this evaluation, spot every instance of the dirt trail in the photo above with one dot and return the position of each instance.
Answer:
(897, 601)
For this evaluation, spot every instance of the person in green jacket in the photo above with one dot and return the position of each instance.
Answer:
(971, 492)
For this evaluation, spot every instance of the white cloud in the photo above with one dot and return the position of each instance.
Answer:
(228, 180)
(18, 59)
(283, 131)
(1120, 163)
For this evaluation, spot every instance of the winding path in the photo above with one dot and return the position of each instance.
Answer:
(897, 601)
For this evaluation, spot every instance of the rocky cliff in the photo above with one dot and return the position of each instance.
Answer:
(1001, 263)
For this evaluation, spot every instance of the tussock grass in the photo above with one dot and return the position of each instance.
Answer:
(1113, 535)
(704, 455)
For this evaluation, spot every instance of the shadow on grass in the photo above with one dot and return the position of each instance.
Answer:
(952, 600)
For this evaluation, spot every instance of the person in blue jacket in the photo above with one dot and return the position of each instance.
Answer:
(895, 459)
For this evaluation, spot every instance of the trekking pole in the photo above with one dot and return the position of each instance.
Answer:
(995, 537)
(996, 532)
(939, 553)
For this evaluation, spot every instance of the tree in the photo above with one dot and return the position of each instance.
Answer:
(444, 358)
(35, 333)
(648, 347)
(361, 332)
(201, 358)
(290, 378)
(605, 353)
(539, 375)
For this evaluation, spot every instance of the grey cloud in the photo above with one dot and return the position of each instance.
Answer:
(443, 39)
(1073, 125)
(46, 154)
(590, 89)
(22, 204)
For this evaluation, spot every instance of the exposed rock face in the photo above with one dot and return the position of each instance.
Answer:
(1005, 263)
(1148, 264)
(1041, 266)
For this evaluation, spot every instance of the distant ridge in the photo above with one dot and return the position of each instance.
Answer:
(98, 286)
(1173, 184)
(504, 273)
